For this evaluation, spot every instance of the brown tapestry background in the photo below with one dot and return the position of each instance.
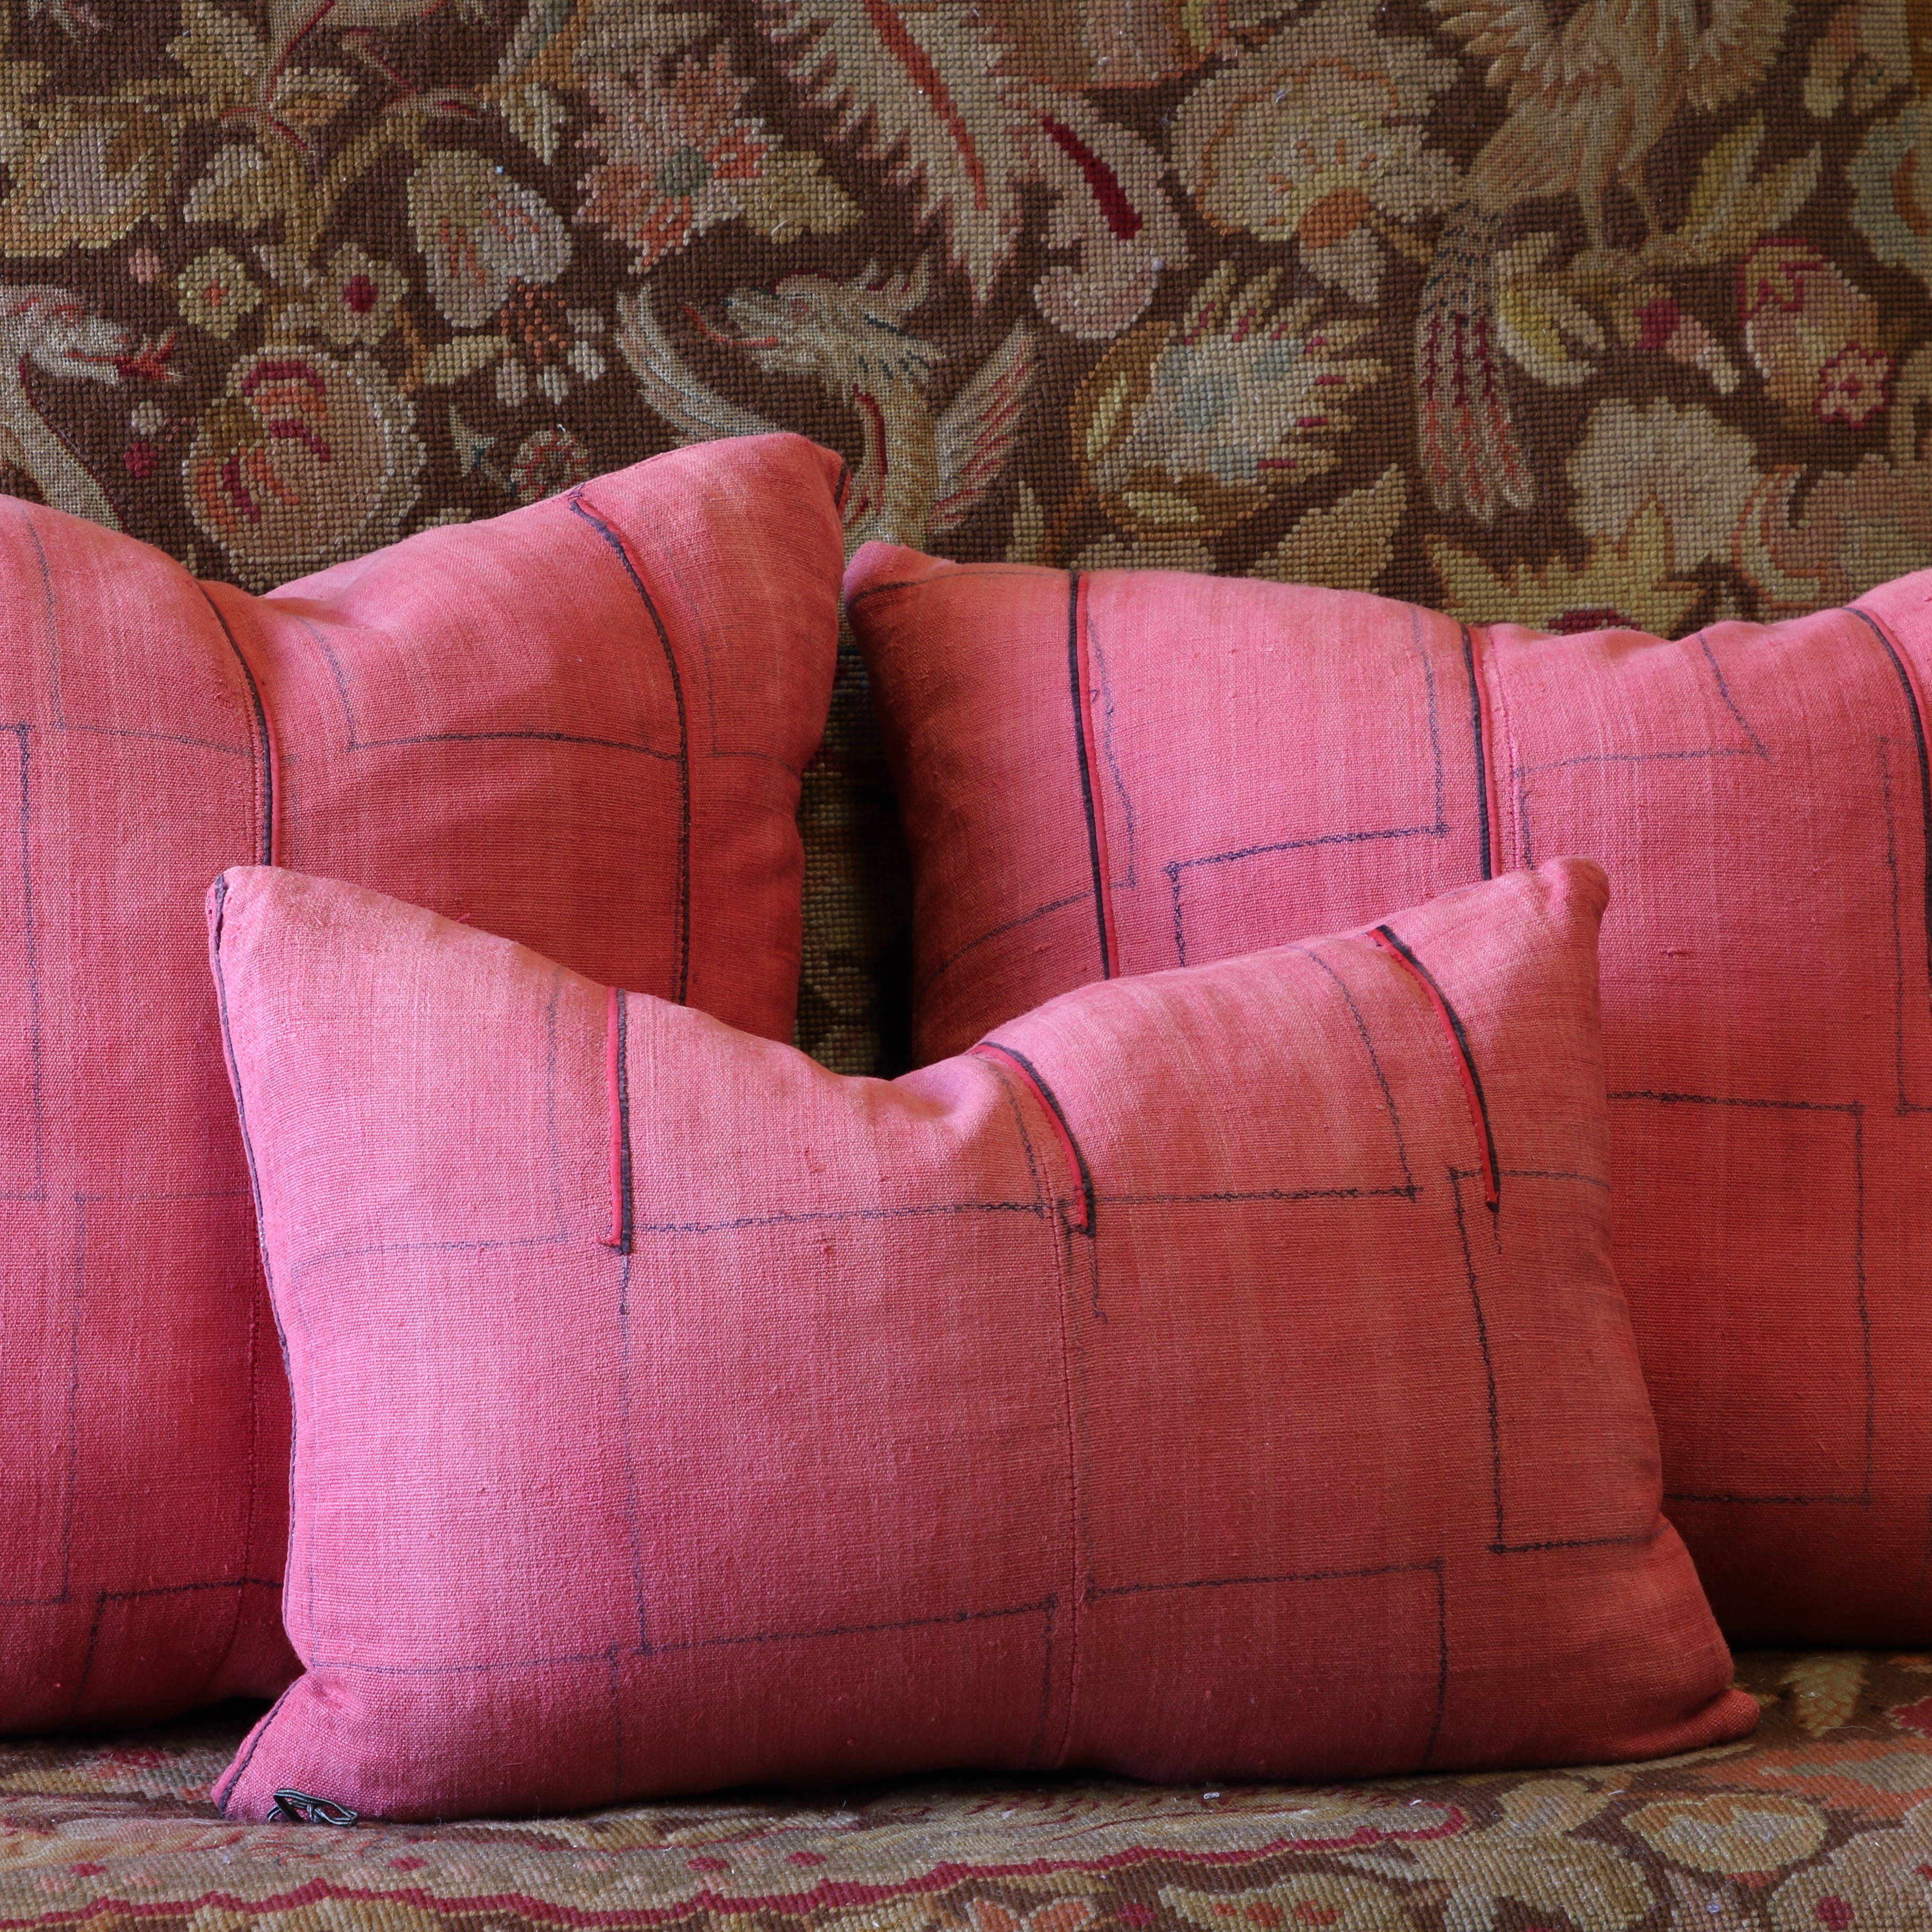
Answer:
(1566, 314)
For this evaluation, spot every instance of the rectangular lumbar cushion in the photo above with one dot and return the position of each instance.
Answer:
(1120, 771)
(582, 724)
(1221, 1373)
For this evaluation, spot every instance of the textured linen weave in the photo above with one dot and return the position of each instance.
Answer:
(1153, 1389)
(1118, 772)
(582, 725)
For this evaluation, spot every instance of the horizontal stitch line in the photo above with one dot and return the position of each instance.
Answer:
(1851, 1501)
(610, 1652)
(1408, 1191)
(1032, 1207)
(1726, 1100)
(1432, 1565)
(1175, 867)
(1573, 1543)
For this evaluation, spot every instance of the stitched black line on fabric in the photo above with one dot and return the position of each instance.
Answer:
(579, 509)
(1051, 1100)
(624, 1229)
(267, 751)
(1482, 751)
(1905, 685)
(1087, 798)
(1493, 1176)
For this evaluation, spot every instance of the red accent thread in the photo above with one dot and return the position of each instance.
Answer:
(1119, 213)
(1089, 738)
(1477, 638)
(615, 1238)
(1491, 1194)
(1077, 1216)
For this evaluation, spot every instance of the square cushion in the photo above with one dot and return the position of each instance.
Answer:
(1221, 1373)
(1117, 771)
(582, 724)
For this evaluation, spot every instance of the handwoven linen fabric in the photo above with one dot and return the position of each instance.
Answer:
(1116, 772)
(1193, 283)
(582, 724)
(1221, 1373)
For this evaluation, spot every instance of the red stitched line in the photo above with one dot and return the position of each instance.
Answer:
(1089, 738)
(1077, 1216)
(615, 1238)
(1491, 1194)
(1477, 638)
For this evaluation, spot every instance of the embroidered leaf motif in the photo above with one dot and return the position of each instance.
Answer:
(923, 90)
(462, 356)
(224, 55)
(1347, 545)
(1729, 209)
(794, 196)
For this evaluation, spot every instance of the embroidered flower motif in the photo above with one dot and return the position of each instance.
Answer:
(1186, 428)
(1697, 471)
(550, 460)
(355, 298)
(215, 292)
(1852, 385)
(1317, 135)
(1731, 1833)
(545, 341)
(1879, 1878)
(672, 158)
(479, 231)
(1893, 175)
(304, 458)
(1801, 316)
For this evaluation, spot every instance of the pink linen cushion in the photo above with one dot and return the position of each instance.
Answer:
(1114, 773)
(1151, 1388)
(582, 724)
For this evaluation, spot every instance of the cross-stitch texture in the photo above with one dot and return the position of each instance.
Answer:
(1558, 314)
(1821, 1822)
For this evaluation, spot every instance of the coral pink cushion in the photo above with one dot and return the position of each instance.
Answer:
(582, 725)
(1151, 1388)
(1152, 768)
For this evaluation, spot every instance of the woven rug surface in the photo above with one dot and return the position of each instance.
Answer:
(1823, 1819)
(1565, 311)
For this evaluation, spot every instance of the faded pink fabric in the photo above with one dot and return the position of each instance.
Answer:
(1150, 1389)
(1114, 775)
(582, 724)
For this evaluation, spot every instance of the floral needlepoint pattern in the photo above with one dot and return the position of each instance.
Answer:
(1531, 310)
(216, 292)
(1822, 1818)
(478, 231)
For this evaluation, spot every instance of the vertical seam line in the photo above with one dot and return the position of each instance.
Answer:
(1079, 676)
(1465, 1060)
